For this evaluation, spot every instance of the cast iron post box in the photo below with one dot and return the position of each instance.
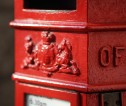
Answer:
(70, 52)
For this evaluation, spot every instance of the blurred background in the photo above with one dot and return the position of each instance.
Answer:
(6, 53)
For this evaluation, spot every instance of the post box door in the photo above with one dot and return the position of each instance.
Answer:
(32, 95)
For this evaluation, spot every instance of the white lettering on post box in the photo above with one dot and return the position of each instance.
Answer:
(33, 100)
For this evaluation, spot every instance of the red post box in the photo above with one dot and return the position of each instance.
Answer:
(70, 53)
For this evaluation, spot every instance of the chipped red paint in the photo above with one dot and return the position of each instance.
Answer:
(91, 40)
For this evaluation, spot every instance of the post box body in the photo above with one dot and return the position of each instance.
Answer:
(32, 95)
(74, 53)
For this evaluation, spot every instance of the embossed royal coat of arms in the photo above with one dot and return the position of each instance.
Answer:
(49, 57)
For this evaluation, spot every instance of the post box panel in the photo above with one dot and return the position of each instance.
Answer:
(107, 58)
(83, 99)
(105, 99)
(31, 95)
(61, 56)
(48, 10)
(111, 99)
(123, 98)
(106, 11)
(92, 99)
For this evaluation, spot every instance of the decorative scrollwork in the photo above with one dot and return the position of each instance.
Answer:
(48, 57)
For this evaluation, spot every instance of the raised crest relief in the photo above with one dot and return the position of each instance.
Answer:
(48, 57)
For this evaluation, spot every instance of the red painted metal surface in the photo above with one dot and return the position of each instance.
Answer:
(23, 89)
(123, 98)
(107, 64)
(93, 99)
(48, 57)
(106, 11)
(55, 15)
(81, 50)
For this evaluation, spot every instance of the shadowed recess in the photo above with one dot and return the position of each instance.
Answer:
(50, 4)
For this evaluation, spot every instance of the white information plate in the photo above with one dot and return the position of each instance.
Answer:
(33, 100)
